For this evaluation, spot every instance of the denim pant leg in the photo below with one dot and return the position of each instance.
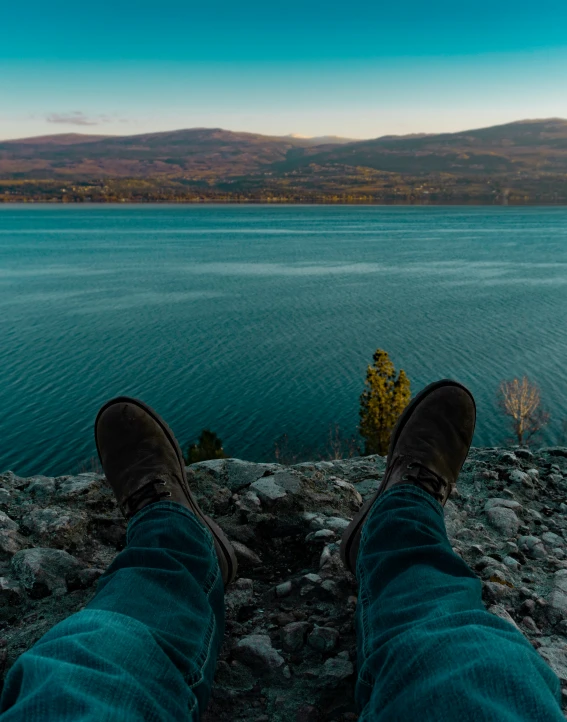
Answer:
(145, 647)
(427, 648)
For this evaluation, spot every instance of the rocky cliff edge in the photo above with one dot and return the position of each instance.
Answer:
(290, 647)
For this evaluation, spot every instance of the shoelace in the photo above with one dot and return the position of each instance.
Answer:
(147, 492)
(432, 483)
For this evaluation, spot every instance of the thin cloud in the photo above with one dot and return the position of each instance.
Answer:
(76, 118)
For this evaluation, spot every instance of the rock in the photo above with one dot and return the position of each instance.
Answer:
(289, 481)
(507, 458)
(41, 487)
(499, 611)
(367, 488)
(79, 485)
(282, 590)
(240, 594)
(5, 496)
(336, 670)
(494, 592)
(525, 454)
(511, 562)
(557, 451)
(216, 468)
(552, 540)
(503, 520)
(336, 524)
(11, 593)
(43, 571)
(532, 547)
(243, 473)
(323, 639)
(245, 555)
(256, 651)
(321, 535)
(499, 502)
(555, 654)
(293, 636)
(7, 524)
(520, 477)
(11, 542)
(268, 491)
(56, 525)
(558, 597)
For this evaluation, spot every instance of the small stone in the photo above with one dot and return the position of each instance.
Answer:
(311, 579)
(244, 554)
(6, 523)
(520, 477)
(293, 636)
(320, 535)
(507, 458)
(552, 540)
(268, 491)
(11, 593)
(558, 597)
(529, 623)
(317, 523)
(524, 454)
(511, 562)
(323, 639)
(503, 520)
(532, 546)
(282, 590)
(11, 542)
(506, 503)
(5, 496)
(499, 611)
(336, 524)
(335, 670)
(256, 651)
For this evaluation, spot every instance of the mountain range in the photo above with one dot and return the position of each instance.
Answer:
(528, 154)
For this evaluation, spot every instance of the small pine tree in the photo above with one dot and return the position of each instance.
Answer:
(209, 446)
(381, 403)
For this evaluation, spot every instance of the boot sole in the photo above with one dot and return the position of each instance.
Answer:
(223, 546)
(353, 530)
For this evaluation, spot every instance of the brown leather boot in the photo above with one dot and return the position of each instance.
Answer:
(428, 448)
(143, 463)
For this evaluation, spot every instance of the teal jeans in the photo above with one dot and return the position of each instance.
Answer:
(428, 651)
(144, 649)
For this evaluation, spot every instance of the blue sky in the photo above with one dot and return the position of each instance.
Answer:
(312, 68)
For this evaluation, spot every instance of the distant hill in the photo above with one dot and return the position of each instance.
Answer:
(213, 153)
(525, 161)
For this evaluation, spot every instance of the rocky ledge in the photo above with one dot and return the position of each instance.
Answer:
(290, 648)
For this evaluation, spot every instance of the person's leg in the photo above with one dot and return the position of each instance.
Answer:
(428, 650)
(145, 647)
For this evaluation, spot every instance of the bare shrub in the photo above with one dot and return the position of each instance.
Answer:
(520, 400)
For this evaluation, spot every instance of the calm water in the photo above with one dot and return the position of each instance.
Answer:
(260, 321)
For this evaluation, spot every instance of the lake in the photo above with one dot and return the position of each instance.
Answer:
(259, 321)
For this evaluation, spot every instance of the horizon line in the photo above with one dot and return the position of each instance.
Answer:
(103, 136)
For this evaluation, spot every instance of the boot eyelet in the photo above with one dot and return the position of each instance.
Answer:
(169, 493)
